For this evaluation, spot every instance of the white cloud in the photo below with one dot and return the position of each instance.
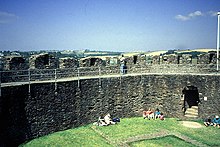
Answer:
(196, 13)
(212, 13)
(6, 17)
(181, 17)
(189, 16)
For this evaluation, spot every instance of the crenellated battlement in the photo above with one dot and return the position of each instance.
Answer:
(50, 61)
(37, 101)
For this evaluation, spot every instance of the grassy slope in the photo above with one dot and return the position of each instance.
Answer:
(128, 127)
(163, 142)
(82, 136)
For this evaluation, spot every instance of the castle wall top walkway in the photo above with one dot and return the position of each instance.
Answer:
(23, 77)
(97, 77)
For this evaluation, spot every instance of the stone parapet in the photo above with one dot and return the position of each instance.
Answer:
(30, 111)
(51, 74)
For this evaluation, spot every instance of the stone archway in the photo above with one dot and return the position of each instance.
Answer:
(191, 96)
(191, 101)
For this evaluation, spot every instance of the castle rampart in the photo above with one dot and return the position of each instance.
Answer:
(32, 110)
(52, 94)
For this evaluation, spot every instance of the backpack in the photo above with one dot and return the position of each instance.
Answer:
(116, 119)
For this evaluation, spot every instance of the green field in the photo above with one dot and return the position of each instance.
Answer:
(132, 132)
(163, 141)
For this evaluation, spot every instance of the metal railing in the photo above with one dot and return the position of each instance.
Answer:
(51, 74)
(55, 74)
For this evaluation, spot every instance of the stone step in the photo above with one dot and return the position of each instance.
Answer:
(192, 111)
(194, 107)
(191, 116)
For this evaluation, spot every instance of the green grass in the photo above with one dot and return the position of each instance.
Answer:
(133, 127)
(127, 128)
(168, 141)
(82, 136)
(206, 135)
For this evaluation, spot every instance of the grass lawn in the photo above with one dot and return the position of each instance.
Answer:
(163, 142)
(129, 129)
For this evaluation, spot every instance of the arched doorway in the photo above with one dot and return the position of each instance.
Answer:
(191, 96)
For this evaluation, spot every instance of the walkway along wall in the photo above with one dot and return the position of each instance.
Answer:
(51, 107)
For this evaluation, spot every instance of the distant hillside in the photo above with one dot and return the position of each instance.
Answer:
(87, 53)
(100, 53)
(193, 52)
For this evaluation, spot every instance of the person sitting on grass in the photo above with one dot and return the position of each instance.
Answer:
(148, 114)
(157, 113)
(208, 122)
(216, 121)
(104, 120)
(161, 116)
(101, 121)
(108, 119)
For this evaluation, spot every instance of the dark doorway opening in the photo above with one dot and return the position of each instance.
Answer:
(135, 59)
(178, 59)
(191, 96)
(93, 61)
(46, 60)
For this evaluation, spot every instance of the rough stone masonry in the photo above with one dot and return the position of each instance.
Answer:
(45, 109)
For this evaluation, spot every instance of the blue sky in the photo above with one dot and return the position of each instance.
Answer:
(113, 25)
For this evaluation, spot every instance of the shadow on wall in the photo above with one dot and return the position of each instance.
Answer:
(14, 127)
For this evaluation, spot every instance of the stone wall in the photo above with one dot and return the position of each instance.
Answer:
(170, 59)
(92, 61)
(112, 61)
(43, 61)
(1, 63)
(14, 63)
(209, 58)
(51, 107)
(68, 62)
(50, 74)
(49, 61)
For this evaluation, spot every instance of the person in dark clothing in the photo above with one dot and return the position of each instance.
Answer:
(208, 122)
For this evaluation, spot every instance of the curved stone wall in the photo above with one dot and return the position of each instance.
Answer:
(51, 107)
